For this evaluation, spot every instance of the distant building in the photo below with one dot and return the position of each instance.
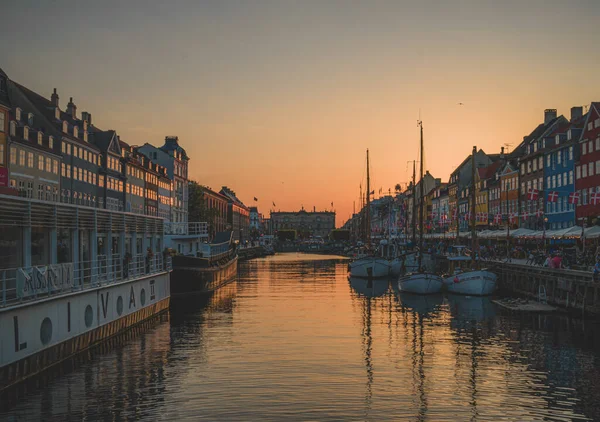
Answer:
(174, 158)
(315, 223)
(238, 215)
(255, 219)
(4, 119)
(219, 203)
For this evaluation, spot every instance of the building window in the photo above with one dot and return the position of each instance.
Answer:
(558, 157)
(597, 144)
(584, 148)
(63, 147)
(75, 150)
(578, 172)
(68, 149)
(51, 142)
(30, 160)
(590, 147)
(63, 170)
(590, 169)
(65, 127)
(584, 170)
(548, 160)
(22, 158)
(571, 177)
(48, 164)
(541, 163)
(564, 179)
(570, 153)
(2, 121)
(2, 154)
(55, 166)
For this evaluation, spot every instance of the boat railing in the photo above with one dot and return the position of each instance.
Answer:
(19, 285)
(196, 228)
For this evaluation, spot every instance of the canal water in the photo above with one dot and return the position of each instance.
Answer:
(294, 339)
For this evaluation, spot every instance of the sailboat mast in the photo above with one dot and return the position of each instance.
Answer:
(473, 231)
(414, 204)
(421, 200)
(368, 204)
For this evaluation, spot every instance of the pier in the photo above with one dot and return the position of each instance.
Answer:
(570, 289)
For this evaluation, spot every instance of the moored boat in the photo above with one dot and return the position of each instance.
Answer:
(370, 267)
(420, 283)
(472, 283)
(213, 267)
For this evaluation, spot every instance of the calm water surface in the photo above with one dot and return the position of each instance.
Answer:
(294, 339)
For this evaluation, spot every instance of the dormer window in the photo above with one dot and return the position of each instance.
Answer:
(18, 114)
(25, 133)
(51, 142)
(57, 113)
(30, 119)
(535, 147)
(13, 128)
(569, 135)
(65, 127)
(76, 131)
(85, 125)
(40, 138)
(85, 136)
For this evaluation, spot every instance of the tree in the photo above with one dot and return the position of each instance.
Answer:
(198, 209)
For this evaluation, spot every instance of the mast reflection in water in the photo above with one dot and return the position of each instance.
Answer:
(293, 338)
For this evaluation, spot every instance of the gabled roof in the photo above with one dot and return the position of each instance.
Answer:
(537, 133)
(489, 171)
(4, 100)
(45, 108)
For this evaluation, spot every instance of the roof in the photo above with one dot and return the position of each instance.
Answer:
(489, 171)
(172, 144)
(45, 108)
(4, 100)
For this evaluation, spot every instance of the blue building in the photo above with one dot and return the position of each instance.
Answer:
(559, 172)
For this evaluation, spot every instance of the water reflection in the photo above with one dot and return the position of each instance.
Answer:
(294, 338)
(369, 287)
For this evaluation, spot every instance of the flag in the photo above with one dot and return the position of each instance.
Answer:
(574, 198)
(532, 194)
(274, 204)
(513, 217)
(255, 198)
(373, 192)
(552, 196)
(594, 198)
(498, 218)
(539, 213)
(332, 204)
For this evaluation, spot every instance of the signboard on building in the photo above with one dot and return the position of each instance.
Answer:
(44, 279)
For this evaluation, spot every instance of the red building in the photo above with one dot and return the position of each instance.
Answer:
(587, 170)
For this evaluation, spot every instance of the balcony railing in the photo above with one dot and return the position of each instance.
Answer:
(191, 229)
(19, 285)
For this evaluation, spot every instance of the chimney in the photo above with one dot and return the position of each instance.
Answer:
(549, 115)
(54, 98)
(72, 108)
(576, 112)
(87, 117)
(501, 152)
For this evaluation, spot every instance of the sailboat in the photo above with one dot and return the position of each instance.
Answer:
(369, 266)
(471, 281)
(420, 282)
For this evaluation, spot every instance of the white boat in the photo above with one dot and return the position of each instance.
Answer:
(420, 283)
(464, 280)
(370, 267)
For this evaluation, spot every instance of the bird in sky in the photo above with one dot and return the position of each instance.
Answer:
(460, 104)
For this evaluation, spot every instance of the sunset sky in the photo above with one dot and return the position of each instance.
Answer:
(280, 99)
